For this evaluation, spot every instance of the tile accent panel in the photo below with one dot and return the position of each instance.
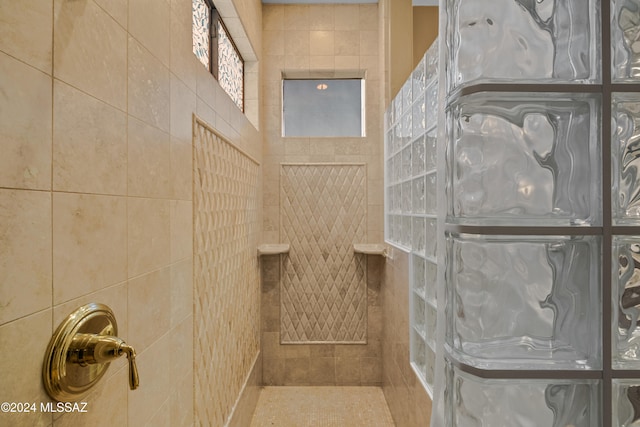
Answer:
(323, 213)
(226, 194)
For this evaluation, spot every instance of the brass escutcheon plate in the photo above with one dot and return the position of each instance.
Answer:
(66, 381)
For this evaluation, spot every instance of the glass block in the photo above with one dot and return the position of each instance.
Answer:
(430, 364)
(406, 198)
(626, 302)
(201, 36)
(396, 228)
(524, 302)
(626, 403)
(388, 142)
(397, 167)
(406, 231)
(418, 352)
(418, 233)
(431, 197)
(230, 68)
(397, 107)
(418, 195)
(475, 401)
(406, 162)
(526, 42)
(419, 117)
(391, 135)
(406, 133)
(398, 198)
(398, 139)
(431, 58)
(625, 35)
(419, 275)
(390, 200)
(625, 144)
(418, 79)
(418, 157)
(431, 324)
(388, 165)
(431, 237)
(387, 200)
(431, 143)
(407, 96)
(525, 159)
(418, 314)
(419, 279)
(432, 106)
(431, 282)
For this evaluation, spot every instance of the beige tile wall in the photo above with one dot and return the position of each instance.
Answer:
(96, 193)
(329, 37)
(408, 401)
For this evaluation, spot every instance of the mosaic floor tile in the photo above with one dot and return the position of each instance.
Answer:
(322, 407)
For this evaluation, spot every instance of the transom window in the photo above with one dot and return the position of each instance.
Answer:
(323, 107)
(216, 51)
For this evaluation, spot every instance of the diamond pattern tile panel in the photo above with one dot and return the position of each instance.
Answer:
(226, 275)
(323, 288)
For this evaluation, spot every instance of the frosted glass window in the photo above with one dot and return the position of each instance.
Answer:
(230, 67)
(201, 31)
(323, 108)
(215, 49)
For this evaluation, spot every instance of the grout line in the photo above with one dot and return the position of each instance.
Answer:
(607, 261)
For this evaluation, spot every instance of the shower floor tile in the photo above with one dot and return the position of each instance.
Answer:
(322, 407)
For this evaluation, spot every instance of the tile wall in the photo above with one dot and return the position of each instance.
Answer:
(96, 105)
(311, 38)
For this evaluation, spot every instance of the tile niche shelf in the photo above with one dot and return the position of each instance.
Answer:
(370, 249)
(273, 249)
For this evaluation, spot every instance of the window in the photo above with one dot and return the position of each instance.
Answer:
(323, 107)
(215, 49)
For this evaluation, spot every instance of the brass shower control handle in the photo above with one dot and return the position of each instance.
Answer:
(88, 349)
(81, 350)
(134, 380)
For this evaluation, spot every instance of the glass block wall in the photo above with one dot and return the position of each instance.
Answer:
(410, 202)
(542, 223)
